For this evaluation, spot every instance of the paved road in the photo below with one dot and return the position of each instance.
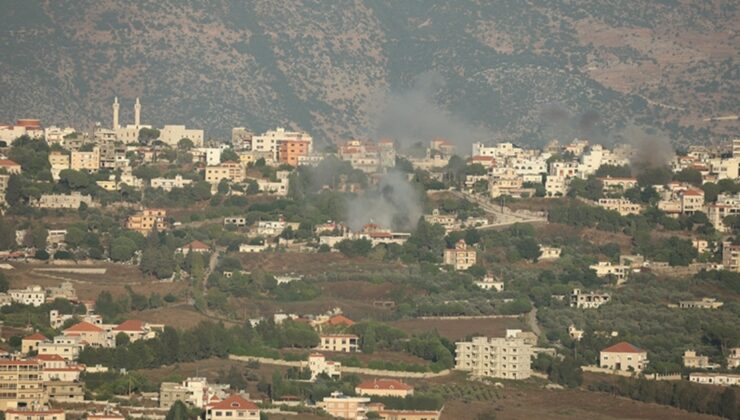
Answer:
(501, 218)
(531, 319)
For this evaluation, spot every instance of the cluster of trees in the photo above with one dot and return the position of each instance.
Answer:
(638, 311)
(681, 394)
(112, 309)
(206, 340)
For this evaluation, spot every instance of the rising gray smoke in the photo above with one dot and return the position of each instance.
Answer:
(649, 150)
(560, 123)
(414, 115)
(395, 204)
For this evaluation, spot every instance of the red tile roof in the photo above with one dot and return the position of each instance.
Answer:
(340, 320)
(693, 192)
(130, 325)
(623, 347)
(196, 244)
(384, 384)
(83, 327)
(36, 336)
(234, 402)
(8, 162)
(50, 357)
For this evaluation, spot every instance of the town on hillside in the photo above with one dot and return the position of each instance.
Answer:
(158, 273)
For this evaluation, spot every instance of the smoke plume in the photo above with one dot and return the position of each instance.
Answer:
(564, 125)
(413, 115)
(395, 204)
(649, 150)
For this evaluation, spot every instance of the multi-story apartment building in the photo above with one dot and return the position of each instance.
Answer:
(290, 151)
(89, 161)
(144, 221)
(692, 201)
(731, 256)
(318, 365)
(232, 171)
(21, 384)
(461, 256)
(346, 343)
(623, 356)
(59, 161)
(726, 205)
(507, 357)
(589, 300)
(270, 141)
(733, 359)
(63, 201)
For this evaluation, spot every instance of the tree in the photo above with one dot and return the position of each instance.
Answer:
(368, 341)
(655, 176)
(148, 134)
(4, 283)
(37, 236)
(74, 237)
(185, 144)
(689, 175)
(728, 405)
(178, 411)
(72, 180)
(528, 249)
(354, 248)
(122, 339)
(229, 155)
(7, 234)
(122, 249)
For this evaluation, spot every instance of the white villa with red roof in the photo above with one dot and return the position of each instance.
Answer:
(195, 246)
(234, 407)
(90, 334)
(384, 388)
(623, 356)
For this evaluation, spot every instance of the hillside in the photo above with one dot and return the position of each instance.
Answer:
(524, 71)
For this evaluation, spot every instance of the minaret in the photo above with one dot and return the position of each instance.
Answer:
(137, 113)
(115, 114)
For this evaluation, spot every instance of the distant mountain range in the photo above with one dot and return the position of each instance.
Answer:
(524, 71)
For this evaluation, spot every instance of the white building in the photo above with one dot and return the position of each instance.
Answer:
(589, 300)
(624, 357)
(172, 134)
(723, 379)
(168, 184)
(270, 140)
(506, 357)
(31, 295)
(129, 133)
